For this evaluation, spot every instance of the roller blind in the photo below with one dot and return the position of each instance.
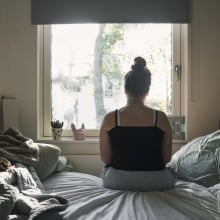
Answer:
(109, 11)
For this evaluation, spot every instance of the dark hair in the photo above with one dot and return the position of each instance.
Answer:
(138, 79)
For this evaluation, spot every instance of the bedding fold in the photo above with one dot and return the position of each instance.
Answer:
(17, 148)
(26, 198)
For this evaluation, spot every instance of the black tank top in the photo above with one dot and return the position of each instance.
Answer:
(136, 148)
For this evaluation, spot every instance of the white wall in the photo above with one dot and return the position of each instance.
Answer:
(203, 99)
(18, 60)
(19, 70)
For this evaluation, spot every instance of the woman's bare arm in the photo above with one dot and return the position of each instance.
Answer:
(104, 142)
(164, 124)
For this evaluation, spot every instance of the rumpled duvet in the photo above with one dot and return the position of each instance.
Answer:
(22, 195)
(18, 148)
(89, 200)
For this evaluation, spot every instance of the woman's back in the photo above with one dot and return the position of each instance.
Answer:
(136, 134)
(136, 140)
(136, 137)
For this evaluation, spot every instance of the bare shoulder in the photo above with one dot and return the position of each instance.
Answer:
(108, 120)
(163, 121)
(162, 115)
(109, 116)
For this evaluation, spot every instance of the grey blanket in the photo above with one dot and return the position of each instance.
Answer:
(17, 148)
(22, 195)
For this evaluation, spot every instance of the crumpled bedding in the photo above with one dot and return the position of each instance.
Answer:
(199, 160)
(89, 200)
(22, 195)
(18, 148)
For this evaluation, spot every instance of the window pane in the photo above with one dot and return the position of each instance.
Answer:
(89, 61)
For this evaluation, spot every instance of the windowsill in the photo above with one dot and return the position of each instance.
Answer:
(89, 146)
(92, 140)
(88, 140)
(179, 141)
(69, 146)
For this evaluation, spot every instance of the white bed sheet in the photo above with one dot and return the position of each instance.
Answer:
(89, 200)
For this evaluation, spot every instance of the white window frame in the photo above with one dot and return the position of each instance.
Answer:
(180, 41)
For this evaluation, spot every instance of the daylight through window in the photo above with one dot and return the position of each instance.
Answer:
(86, 65)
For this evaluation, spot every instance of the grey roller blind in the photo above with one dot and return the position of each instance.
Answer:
(109, 11)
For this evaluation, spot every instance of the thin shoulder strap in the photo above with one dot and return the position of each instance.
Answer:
(117, 118)
(155, 118)
(116, 121)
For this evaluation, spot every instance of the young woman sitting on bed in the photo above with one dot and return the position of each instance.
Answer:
(136, 140)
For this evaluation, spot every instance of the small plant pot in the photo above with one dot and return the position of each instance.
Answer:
(57, 133)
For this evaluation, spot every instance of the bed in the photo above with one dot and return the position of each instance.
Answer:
(60, 192)
(89, 200)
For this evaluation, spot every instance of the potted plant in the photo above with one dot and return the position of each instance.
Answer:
(57, 129)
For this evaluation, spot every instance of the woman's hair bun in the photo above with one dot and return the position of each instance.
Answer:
(139, 61)
(138, 79)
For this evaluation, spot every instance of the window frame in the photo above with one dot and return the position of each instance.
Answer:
(179, 45)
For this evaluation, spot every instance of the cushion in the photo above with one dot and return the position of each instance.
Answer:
(62, 163)
(199, 160)
(48, 160)
(137, 180)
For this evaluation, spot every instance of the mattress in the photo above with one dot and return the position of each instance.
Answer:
(89, 200)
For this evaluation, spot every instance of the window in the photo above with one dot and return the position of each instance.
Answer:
(85, 64)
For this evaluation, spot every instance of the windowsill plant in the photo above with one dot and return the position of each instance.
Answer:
(57, 129)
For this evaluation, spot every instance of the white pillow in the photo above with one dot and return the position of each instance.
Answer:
(199, 160)
(137, 180)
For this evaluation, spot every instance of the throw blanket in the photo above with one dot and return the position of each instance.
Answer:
(22, 195)
(17, 148)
